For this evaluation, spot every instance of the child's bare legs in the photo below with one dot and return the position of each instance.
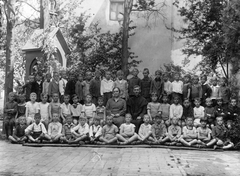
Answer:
(17, 140)
(11, 138)
(187, 142)
(165, 140)
(134, 137)
(122, 138)
(108, 141)
(228, 146)
(211, 143)
(81, 138)
(56, 138)
(146, 137)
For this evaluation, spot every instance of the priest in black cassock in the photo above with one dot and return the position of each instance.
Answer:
(137, 107)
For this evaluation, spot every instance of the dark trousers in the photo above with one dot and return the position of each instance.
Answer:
(137, 123)
(8, 125)
(106, 97)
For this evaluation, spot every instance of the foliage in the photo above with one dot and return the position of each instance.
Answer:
(234, 132)
(93, 49)
(203, 31)
(170, 69)
(231, 29)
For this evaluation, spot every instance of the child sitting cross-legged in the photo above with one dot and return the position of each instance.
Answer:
(144, 133)
(36, 132)
(81, 131)
(220, 135)
(109, 132)
(189, 136)
(19, 133)
(127, 131)
(66, 130)
(95, 130)
(159, 130)
(55, 128)
(203, 132)
(174, 132)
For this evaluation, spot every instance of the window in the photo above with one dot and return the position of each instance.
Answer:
(116, 10)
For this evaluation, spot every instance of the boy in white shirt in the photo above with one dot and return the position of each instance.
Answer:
(62, 85)
(65, 108)
(198, 112)
(32, 108)
(44, 111)
(81, 131)
(176, 110)
(106, 88)
(177, 87)
(144, 133)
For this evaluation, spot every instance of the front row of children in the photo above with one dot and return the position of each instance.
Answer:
(110, 134)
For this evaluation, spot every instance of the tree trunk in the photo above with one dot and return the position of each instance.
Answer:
(8, 86)
(126, 20)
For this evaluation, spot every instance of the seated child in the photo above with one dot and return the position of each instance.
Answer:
(66, 130)
(153, 107)
(32, 108)
(198, 112)
(81, 131)
(220, 136)
(189, 136)
(95, 130)
(89, 109)
(144, 133)
(232, 112)
(159, 130)
(101, 110)
(36, 131)
(203, 132)
(76, 109)
(54, 106)
(164, 109)
(109, 132)
(55, 128)
(10, 111)
(127, 131)
(210, 112)
(65, 108)
(19, 133)
(174, 132)
(187, 112)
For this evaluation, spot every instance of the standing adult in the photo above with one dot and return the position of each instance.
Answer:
(116, 107)
(137, 107)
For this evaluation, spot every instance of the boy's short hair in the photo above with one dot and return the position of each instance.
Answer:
(176, 97)
(108, 71)
(186, 99)
(135, 69)
(100, 98)
(195, 77)
(208, 100)
(43, 94)
(11, 94)
(203, 119)
(175, 118)
(158, 116)
(154, 94)
(146, 69)
(187, 76)
(74, 96)
(67, 95)
(197, 99)
(89, 95)
(136, 86)
(83, 117)
(37, 115)
(68, 116)
(55, 73)
(233, 98)
(158, 71)
(55, 94)
(97, 118)
(39, 74)
(176, 73)
(146, 116)
(203, 76)
(219, 117)
(219, 99)
(120, 72)
(109, 116)
(128, 115)
(33, 93)
(189, 118)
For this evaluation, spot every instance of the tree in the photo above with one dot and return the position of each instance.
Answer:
(203, 32)
(150, 8)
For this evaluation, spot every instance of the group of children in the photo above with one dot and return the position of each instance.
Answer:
(70, 111)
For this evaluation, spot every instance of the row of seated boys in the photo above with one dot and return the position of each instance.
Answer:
(156, 133)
